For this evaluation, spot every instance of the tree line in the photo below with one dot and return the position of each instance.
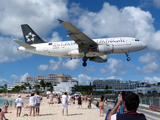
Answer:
(18, 88)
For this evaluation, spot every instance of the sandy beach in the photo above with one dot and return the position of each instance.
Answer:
(55, 112)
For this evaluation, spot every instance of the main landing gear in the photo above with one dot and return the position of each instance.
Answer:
(84, 61)
(128, 58)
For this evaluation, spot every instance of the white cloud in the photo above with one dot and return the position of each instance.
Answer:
(156, 3)
(147, 58)
(152, 67)
(60, 64)
(71, 64)
(55, 37)
(90, 69)
(53, 65)
(103, 70)
(22, 78)
(152, 80)
(41, 15)
(9, 52)
(83, 79)
(113, 77)
(115, 67)
(4, 81)
(151, 64)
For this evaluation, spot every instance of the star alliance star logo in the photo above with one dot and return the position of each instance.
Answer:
(30, 37)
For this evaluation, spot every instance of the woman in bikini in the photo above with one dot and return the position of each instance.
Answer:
(2, 115)
(101, 105)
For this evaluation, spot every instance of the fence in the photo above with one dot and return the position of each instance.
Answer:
(150, 101)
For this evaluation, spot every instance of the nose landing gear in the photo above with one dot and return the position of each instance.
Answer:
(128, 58)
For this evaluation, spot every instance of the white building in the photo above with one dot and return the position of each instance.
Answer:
(66, 86)
(145, 89)
(10, 87)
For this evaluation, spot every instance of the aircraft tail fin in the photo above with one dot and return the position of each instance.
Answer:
(30, 36)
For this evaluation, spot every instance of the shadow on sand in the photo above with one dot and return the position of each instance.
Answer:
(75, 114)
(47, 114)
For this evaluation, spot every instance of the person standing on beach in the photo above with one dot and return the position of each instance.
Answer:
(32, 101)
(51, 98)
(69, 99)
(37, 105)
(19, 104)
(10, 103)
(64, 104)
(106, 100)
(2, 115)
(79, 102)
(101, 105)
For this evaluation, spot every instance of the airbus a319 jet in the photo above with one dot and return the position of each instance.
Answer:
(82, 47)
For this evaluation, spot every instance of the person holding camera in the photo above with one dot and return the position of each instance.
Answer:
(130, 104)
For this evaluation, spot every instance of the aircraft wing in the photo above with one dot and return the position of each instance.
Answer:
(25, 45)
(78, 36)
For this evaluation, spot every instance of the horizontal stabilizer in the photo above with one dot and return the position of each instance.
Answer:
(25, 45)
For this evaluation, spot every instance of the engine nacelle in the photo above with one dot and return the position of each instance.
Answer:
(105, 48)
(99, 59)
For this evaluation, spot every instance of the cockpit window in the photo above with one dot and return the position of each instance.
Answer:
(50, 43)
(136, 40)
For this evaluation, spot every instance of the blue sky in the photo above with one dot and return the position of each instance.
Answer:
(120, 18)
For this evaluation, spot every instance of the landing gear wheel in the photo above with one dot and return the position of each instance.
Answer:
(85, 58)
(84, 64)
(128, 59)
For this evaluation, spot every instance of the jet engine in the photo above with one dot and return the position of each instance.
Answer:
(103, 48)
(99, 59)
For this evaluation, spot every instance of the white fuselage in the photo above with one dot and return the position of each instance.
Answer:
(71, 49)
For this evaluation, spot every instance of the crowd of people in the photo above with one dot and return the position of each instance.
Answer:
(125, 106)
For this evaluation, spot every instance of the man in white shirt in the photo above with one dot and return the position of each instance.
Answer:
(37, 105)
(64, 104)
(18, 104)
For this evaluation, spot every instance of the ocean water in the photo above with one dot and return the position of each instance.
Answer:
(3, 100)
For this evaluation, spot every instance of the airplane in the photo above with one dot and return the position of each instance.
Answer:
(82, 47)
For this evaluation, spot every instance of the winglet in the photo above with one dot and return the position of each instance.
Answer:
(60, 21)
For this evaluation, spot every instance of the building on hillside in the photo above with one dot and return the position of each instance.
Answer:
(61, 76)
(10, 87)
(66, 86)
(115, 84)
(53, 79)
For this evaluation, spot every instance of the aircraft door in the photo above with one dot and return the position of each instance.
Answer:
(45, 49)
